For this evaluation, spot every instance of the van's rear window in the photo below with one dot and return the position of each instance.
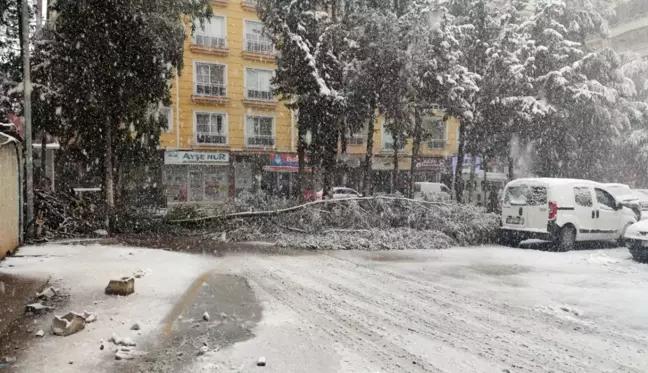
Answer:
(524, 195)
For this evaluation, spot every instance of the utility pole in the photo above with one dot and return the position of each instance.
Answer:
(27, 89)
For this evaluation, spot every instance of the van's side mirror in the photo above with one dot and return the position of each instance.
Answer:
(619, 205)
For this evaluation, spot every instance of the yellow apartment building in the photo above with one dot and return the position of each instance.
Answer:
(228, 133)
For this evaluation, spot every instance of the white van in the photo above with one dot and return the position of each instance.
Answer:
(563, 211)
(431, 191)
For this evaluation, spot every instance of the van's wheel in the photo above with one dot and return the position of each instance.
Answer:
(566, 238)
(621, 241)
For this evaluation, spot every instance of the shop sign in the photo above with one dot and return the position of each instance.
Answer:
(468, 162)
(204, 158)
(429, 164)
(285, 162)
(387, 163)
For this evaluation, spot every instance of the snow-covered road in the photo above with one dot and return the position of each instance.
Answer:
(487, 309)
(482, 309)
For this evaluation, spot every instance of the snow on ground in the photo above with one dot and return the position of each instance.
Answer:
(482, 309)
(485, 309)
(84, 272)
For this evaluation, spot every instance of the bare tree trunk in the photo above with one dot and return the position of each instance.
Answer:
(43, 176)
(395, 177)
(108, 174)
(458, 187)
(366, 178)
(301, 156)
(417, 137)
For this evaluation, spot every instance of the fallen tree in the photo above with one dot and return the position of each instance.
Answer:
(369, 223)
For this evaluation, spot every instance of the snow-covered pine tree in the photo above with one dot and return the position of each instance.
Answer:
(106, 67)
(10, 61)
(311, 43)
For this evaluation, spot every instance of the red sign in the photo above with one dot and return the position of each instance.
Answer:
(19, 123)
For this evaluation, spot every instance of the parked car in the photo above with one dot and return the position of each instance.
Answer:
(642, 195)
(626, 196)
(636, 239)
(339, 193)
(564, 211)
(431, 191)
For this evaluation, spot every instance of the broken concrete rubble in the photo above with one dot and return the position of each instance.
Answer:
(40, 333)
(89, 317)
(48, 293)
(121, 341)
(205, 316)
(37, 308)
(124, 286)
(68, 324)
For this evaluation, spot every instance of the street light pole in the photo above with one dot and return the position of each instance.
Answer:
(27, 89)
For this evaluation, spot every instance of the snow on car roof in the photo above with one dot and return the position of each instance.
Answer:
(547, 181)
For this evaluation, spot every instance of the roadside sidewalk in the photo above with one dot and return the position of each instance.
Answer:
(172, 294)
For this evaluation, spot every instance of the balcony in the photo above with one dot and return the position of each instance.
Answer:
(260, 141)
(260, 99)
(437, 144)
(211, 139)
(258, 50)
(215, 45)
(220, 3)
(250, 5)
(213, 94)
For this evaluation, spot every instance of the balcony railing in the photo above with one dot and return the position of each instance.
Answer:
(211, 138)
(259, 95)
(209, 41)
(253, 44)
(358, 139)
(214, 90)
(436, 144)
(264, 141)
(390, 146)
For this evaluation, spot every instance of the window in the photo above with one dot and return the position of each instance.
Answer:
(356, 138)
(166, 113)
(257, 84)
(211, 128)
(255, 38)
(583, 196)
(388, 141)
(259, 131)
(213, 34)
(435, 131)
(516, 196)
(210, 79)
(537, 196)
(605, 199)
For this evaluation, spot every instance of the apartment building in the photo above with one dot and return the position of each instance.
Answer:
(628, 28)
(228, 133)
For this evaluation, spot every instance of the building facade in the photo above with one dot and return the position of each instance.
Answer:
(228, 133)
